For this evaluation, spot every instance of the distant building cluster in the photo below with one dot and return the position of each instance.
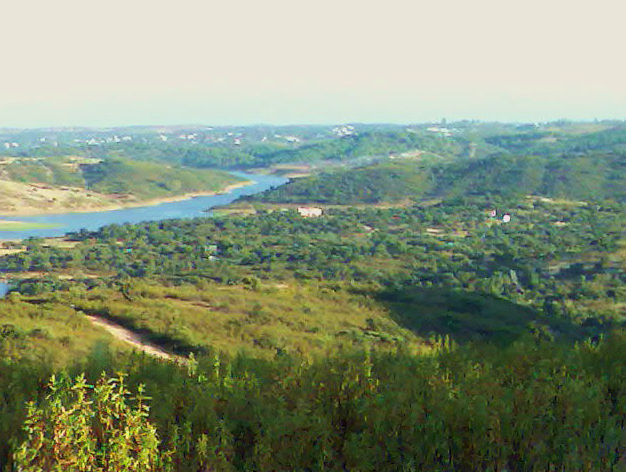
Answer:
(112, 139)
(290, 139)
(341, 131)
(436, 129)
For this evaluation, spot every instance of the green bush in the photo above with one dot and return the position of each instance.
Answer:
(89, 428)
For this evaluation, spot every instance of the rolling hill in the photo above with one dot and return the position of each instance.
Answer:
(57, 185)
(593, 176)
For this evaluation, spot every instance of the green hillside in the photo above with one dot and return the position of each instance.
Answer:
(305, 320)
(388, 182)
(531, 406)
(151, 180)
(250, 147)
(143, 180)
(593, 176)
(51, 171)
(370, 144)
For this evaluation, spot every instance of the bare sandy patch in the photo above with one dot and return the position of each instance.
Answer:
(131, 338)
(6, 252)
(20, 199)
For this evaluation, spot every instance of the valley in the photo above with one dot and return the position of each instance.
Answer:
(458, 300)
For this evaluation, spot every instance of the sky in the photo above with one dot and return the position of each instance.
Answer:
(239, 62)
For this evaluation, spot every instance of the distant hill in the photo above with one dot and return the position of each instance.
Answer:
(60, 184)
(592, 176)
(565, 140)
(151, 180)
(386, 182)
(589, 177)
(239, 147)
(264, 145)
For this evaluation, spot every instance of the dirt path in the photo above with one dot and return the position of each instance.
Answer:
(133, 339)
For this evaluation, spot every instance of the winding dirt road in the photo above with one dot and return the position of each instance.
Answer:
(134, 339)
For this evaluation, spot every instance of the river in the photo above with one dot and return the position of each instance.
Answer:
(4, 288)
(190, 208)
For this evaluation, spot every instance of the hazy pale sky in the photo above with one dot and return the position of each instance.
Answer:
(96, 63)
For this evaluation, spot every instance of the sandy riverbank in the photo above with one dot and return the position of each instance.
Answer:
(18, 199)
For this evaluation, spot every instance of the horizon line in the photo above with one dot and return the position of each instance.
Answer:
(312, 124)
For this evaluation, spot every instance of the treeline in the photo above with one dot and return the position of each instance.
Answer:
(375, 143)
(260, 154)
(534, 405)
(219, 148)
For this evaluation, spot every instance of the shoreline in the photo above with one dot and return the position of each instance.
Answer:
(123, 206)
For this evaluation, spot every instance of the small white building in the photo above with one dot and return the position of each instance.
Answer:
(309, 212)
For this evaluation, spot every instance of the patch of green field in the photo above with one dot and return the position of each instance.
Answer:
(233, 211)
(6, 225)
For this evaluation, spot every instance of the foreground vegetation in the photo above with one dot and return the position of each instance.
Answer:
(531, 406)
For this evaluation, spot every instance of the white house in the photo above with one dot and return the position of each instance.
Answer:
(309, 212)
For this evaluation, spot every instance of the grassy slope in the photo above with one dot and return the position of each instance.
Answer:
(593, 176)
(50, 171)
(48, 331)
(305, 319)
(141, 179)
(589, 177)
(302, 319)
(387, 182)
(150, 180)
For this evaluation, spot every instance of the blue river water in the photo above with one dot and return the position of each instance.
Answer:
(190, 208)
(4, 288)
